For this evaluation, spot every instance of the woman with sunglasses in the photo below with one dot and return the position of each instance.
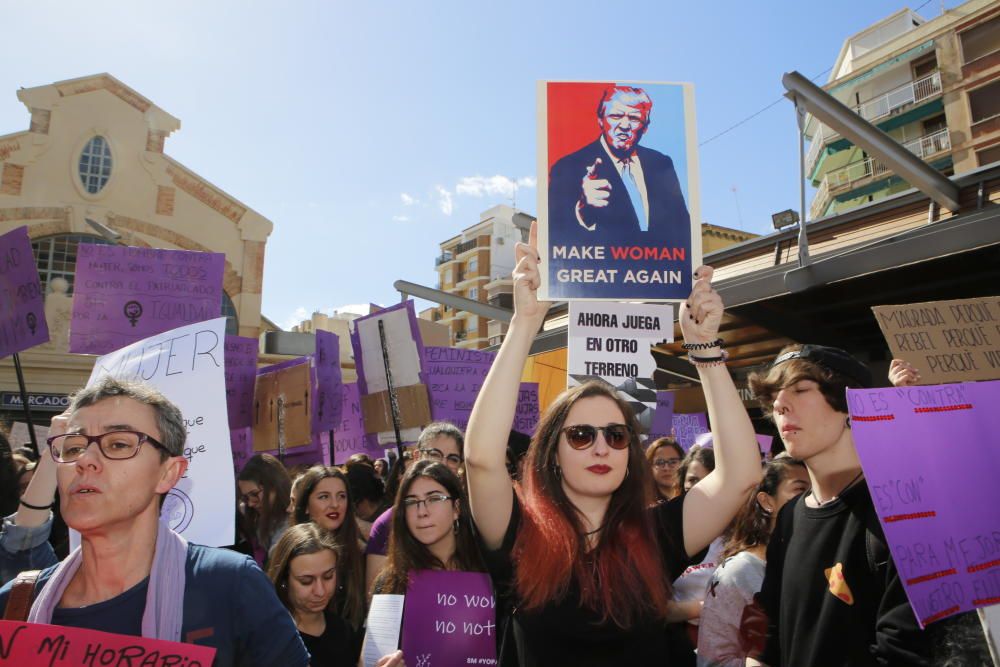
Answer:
(585, 564)
(430, 528)
(664, 456)
(264, 487)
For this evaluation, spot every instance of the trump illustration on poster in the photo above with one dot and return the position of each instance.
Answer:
(619, 213)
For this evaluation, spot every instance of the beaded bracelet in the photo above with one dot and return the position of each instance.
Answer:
(37, 507)
(705, 362)
(702, 346)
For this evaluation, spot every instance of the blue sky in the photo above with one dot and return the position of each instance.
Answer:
(369, 132)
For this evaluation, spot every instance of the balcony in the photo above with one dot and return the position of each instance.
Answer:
(442, 258)
(855, 174)
(875, 109)
(472, 244)
(460, 335)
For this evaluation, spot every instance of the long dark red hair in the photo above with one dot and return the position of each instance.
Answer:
(624, 576)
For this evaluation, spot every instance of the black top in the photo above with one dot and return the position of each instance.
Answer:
(338, 646)
(564, 633)
(843, 602)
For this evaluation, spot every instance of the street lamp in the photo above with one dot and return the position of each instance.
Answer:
(785, 218)
(106, 232)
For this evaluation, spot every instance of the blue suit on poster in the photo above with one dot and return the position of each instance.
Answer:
(669, 221)
(618, 196)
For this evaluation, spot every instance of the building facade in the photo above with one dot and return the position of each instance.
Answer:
(477, 264)
(91, 168)
(934, 86)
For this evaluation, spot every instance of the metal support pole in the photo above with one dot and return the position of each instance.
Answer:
(800, 116)
(333, 449)
(393, 403)
(24, 402)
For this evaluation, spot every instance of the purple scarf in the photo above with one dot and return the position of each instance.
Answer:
(164, 614)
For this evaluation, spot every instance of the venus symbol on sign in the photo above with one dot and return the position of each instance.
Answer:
(133, 311)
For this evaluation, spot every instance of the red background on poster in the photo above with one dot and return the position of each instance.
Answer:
(572, 116)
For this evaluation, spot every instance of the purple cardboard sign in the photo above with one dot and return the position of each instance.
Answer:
(527, 414)
(449, 619)
(123, 294)
(454, 377)
(241, 442)
(349, 433)
(663, 415)
(764, 443)
(327, 398)
(22, 304)
(687, 428)
(241, 373)
(364, 366)
(943, 531)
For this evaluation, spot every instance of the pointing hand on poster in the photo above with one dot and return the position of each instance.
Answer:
(903, 374)
(701, 314)
(527, 279)
(596, 191)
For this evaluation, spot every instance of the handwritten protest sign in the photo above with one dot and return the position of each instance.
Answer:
(454, 377)
(662, 424)
(241, 373)
(618, 213)
(55, 645)
(22, 304)
(943, 530)
(123, 294)
(349, 436)
(329, 383)
(687, 428)
(241, 442)
(187, 365)
(449, 619)
(527, 414)
(947, 341)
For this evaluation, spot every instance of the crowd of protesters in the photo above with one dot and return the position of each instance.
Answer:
(601, 550)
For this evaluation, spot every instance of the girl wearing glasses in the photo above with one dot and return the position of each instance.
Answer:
(264, 486)
(664, 456)
(430, 530)
(586, 566)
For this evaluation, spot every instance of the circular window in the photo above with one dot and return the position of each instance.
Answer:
(95, 165)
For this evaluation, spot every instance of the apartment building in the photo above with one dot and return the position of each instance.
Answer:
(933, 85)
(477, 264)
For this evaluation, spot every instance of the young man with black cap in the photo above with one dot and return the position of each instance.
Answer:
(831, 592)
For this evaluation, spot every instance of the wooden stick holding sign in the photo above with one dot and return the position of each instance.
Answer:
(393, 399)
(24, 401)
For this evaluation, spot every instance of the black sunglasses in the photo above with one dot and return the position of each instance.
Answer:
(581, 436)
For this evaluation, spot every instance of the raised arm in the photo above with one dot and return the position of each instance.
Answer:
(712, 504)
(41, 491)
(491, 494)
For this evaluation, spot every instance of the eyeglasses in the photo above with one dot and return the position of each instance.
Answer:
(581, 436)
(438, 455)
(251, 495)
(115, 445)
(429, 503)
(666, 463)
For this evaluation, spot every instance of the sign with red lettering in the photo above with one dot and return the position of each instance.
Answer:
(38, 644)
(947, 341)
(943, 531)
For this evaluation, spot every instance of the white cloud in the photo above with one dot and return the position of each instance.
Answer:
(444, 200)
(480, 186)
(407, 199)
(400, 218)
(295, 318)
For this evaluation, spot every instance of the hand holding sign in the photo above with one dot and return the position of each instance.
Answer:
(701, 314)
(527, 279)
(596, 191)
(903, 374)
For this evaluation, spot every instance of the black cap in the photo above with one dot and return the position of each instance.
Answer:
(833, 359)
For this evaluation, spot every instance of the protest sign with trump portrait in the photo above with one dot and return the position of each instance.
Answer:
(619, 213)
